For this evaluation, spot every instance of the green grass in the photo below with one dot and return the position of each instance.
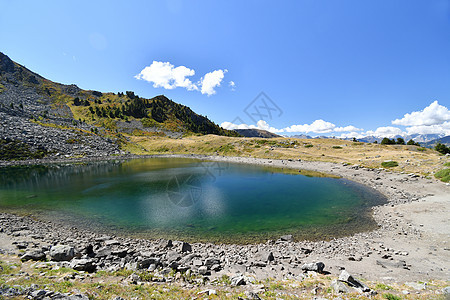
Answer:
(382, 286)
(389, 164)
(447, 164)
(391, 297)
(443, 175)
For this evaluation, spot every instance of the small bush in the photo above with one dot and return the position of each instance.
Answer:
(443, 175)
(389, 164)
(337, 147)
(441, 148)
(309, 146)
(391, 297)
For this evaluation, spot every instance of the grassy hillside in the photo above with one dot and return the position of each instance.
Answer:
(409, 158)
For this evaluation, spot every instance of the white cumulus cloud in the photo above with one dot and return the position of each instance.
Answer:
(386, 131)
(212, 80)
(434, 114)
(261, 124)
(347, 128)
(443, 128)
(318, 126)
(354, 134)
(166, 75)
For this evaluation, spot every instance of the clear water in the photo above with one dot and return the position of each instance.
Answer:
(190, 199)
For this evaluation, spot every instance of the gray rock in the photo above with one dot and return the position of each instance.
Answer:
(62, 253)
(287, 238)
(339, 286)
(347, 278)
(251, 295)
(203, 270)
(33, 255)
(315, 267)
(238, 280)
(83, 264)
(211, 261)
(186, 247)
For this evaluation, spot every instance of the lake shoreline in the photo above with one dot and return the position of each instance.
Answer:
(411, 243)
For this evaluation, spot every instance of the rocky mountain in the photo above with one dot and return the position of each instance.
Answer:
(39, 117)
(256, 133)
(443, 140)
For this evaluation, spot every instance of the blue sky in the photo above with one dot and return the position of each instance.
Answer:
(326, 65)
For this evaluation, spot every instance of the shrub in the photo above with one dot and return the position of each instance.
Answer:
(309, 146)
(441, 148)
(412, 143)
(391, 297)
(337, 147)
(389, 164)
(443, 175)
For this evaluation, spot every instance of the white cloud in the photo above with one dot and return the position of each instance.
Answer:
(350, 135)
(261, 124)
(347, 128)
(387, 131)
(212, 80)
(166, 75)
(318, 126)
(443, 128)
(232, 84)
(434, 114)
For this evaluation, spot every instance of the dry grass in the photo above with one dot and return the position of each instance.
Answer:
(411, 159)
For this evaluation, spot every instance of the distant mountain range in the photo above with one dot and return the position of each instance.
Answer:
(425, 140)
(256, 133)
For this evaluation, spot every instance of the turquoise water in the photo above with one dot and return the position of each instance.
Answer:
(189, 199)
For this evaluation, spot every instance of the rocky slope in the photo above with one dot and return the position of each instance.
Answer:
(29, 114)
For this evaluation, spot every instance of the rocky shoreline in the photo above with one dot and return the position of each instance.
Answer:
(405, 247)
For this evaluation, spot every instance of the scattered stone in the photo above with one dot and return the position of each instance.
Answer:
(186, 247)
(62, 253)
(339, 286)
(35, 255)
(287, 238)
(238, 280)
(203, 270)
(315, 267)
(347, 278)
(83, 264)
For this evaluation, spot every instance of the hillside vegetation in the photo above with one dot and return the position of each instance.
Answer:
(409, 158)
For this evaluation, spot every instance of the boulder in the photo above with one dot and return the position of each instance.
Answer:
(83, 264)
(33, 255)
(186, 247)
(287, 238)
(339, 286)
(315, 267)
(62, 253)
(203, 270)
(238, 280)
(347, 278)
